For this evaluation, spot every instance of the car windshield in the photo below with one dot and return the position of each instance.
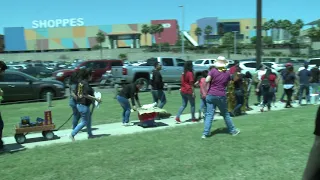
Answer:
(198, 62)
(73, 65)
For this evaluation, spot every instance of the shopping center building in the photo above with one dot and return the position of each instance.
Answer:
(245, 29)
(84, 37)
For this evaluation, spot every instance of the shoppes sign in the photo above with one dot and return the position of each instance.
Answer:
(57, 23)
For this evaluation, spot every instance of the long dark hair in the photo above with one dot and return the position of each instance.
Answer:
(188, 66)
(85, 74)
(74, 79)
(268, 72)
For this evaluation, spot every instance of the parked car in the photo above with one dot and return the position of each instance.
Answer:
(312, 63)
(18, 86)
(251, 66)
(275, 66)
(172, 69)
(204, 62)
(99, 67)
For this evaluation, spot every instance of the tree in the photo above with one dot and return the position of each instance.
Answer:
(123, 56)
(159, 30)
(266, 27)
(100, 38)
(228, 41)
(153, 29)
(145, 30)
(314, 34)
(198, 33)
(253, 40)
(207, 31)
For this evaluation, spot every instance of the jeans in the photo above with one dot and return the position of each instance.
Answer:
(301, 89)
(268, 95)
(75, 113)
(85, 119)
(203, 105)
(314, 88)
(185, 99)
(312, 170)
(289, 93)
(159, 95)
(248, 96)
(124, 102)
(282, 96)
(212, 103)
(239, 94)
(1, 129)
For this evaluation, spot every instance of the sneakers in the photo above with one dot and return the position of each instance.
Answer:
(236, 132)
(72, 138)
(203, 137)
(178, 120)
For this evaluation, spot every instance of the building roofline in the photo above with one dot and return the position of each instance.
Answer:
(314, 22)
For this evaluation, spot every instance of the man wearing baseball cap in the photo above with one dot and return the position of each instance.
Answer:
(3, 68)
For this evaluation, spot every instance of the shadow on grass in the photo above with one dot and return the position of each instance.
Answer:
(85, 130)
(38, 139)
(12, 148)
(219, 131)
(150, 125)
(99, 136)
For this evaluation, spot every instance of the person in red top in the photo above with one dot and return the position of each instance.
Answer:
(187, 91)
(234, 68)
(268, 85)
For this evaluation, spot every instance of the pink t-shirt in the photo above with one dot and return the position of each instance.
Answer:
(219, 82)
(203, 87)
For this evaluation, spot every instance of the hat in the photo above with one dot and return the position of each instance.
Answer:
(288, 65)
(221, 62)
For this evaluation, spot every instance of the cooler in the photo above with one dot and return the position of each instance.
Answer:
(147, 116)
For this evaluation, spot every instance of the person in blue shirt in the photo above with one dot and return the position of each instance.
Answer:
(304, 81)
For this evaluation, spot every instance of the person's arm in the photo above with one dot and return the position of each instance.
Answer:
(259, 84)
(197, 83)
(133, 95)
(191, 81)
(137, 99)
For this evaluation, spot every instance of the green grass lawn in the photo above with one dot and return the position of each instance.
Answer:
(271, 146)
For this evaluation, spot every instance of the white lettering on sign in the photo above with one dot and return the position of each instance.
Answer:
(166, 25)
(57, 23)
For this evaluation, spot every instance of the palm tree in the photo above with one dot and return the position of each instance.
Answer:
(266, 27)
(145, 30)
(100, 38)
(198, 33)
(159, 31)
(207, 31)
(299, 23)
(153, 29)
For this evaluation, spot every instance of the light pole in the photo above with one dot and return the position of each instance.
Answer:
(182, 29)
(259, 27)
(235, 42)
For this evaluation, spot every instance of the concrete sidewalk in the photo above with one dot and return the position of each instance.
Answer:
(62, 136)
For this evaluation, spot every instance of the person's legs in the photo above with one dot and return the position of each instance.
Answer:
(312, 170)
(154, 94)
(307, 93)
(270, 97)
(221, 103)
(184, 105)
(75, 113)
(239, 102)
(1, 129)
(301, 89)
(89, 123)
(282, 96)
(83, 110)
(162, 98)
(192, 100)
(125, 104)
(290, 93)
(209, 116)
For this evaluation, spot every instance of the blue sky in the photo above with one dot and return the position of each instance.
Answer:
(18, 13)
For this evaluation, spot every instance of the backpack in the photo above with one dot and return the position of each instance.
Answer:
(265, 83)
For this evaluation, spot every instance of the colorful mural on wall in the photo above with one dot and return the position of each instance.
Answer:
(21, 39)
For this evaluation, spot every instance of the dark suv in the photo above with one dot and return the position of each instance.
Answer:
(99, 67)
(18, 86)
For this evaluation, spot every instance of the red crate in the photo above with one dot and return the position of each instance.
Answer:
(147, 116)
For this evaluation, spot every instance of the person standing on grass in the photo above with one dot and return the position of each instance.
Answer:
(85, 97)
(267, 85)
(158, 86)
(74, 80)
(304, 80)
(187, 91)
(289, 84)
(248, 79)
(312, 170)
(216, 97)
(315, 79)
(238, 93)
(129, 91)
(3, 68)
(203, 92)
(257, 78)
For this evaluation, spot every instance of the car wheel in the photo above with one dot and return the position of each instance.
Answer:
(146, 84)
(43, 94)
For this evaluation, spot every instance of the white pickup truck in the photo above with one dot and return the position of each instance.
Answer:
(172, 69)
